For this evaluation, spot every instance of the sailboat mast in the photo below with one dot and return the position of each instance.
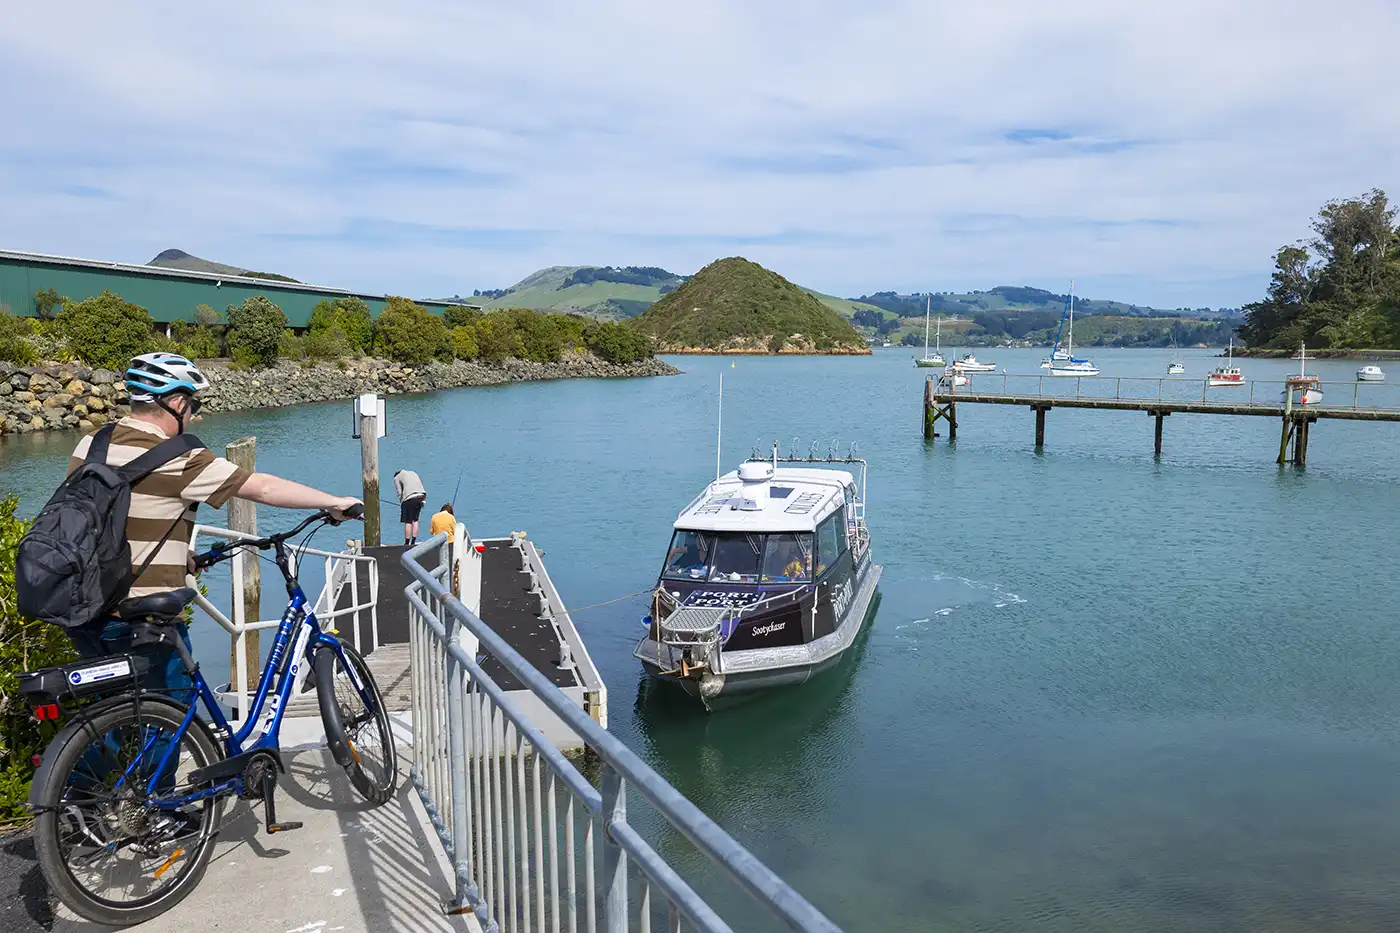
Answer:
(928, 303)
(1070, 346)
(938, 336)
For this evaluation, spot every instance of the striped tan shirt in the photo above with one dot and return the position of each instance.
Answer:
(164, 498)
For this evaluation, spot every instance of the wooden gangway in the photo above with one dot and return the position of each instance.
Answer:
(1162, 397)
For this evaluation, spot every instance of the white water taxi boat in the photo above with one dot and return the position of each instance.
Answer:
(1370, 374)
(1175, 368)
(767, 581)
(953, 379)
(1229, 374)
(936, 357)
(969, 364)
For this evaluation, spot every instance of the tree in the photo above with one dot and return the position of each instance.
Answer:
(45, 300)
(495, 338)
(105, 330)
(616, 343)
(408, 333)
(459, 315)
(14, 347)
(255, 331)
(464, 342)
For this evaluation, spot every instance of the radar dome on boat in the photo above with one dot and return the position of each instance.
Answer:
(755, 471)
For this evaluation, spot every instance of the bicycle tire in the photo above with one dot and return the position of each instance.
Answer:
(57, 775)
(377, 789)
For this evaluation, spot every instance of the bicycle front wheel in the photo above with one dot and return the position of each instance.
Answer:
(357, 722)
(112, 848)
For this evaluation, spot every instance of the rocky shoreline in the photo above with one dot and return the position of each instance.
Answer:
(1262, 353)
(57, 396)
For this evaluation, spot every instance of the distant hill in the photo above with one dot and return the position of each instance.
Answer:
(733, 305)
(606, 292)
(179, 259)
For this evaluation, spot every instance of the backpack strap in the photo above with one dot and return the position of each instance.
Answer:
(97, 450)
(157, 457)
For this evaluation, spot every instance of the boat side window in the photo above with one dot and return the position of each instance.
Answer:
(736, 558)
(831, 540)
(689, 556)
(787, 558)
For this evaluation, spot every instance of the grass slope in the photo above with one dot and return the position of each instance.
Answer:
(736, 305)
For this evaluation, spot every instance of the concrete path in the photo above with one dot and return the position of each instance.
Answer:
(349, 869)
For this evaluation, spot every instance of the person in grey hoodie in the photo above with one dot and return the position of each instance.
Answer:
(412, 495)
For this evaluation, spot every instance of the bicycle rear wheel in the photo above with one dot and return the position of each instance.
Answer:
(111, 852)
(357, 723)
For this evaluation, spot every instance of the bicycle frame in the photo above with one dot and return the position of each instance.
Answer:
(288, 664)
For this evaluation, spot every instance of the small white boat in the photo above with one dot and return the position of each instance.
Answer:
(1229, 374)
(1370, 374)
(1304, 389)
(1063, 361)
(952, 378)
(1175, 368)
(936, 357)
(969, 364)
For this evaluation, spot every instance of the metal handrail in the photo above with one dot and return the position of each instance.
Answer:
(239, 626)
(471, 742)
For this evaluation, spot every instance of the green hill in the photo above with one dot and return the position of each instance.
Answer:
(600, 291)
(736, 306)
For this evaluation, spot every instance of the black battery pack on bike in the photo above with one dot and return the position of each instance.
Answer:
(47, 690)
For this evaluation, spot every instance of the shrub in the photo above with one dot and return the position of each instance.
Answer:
(408, 333)
(616, 343)
(290, 346)
(351, 316)
(538, 336)
(15, 346)
(105, 331)
(460, 315)
(49, 343)
(329, 343)
(255, 331)
(464, 343)
(495, 338)
(24, 646)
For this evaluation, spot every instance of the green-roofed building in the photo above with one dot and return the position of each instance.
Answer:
(168, 294)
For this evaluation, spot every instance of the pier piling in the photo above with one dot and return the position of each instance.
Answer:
(1157, 434)
(1040, 411)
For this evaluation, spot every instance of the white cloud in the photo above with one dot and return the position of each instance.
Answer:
(1160, 152)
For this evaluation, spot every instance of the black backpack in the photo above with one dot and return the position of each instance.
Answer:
(74, 564)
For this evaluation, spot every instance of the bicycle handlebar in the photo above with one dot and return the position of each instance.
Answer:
(223, 550)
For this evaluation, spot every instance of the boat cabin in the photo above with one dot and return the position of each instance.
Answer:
(766, 525)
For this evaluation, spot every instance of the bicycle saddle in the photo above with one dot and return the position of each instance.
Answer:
(157, 606)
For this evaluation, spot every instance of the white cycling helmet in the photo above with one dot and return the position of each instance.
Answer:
(155, 375)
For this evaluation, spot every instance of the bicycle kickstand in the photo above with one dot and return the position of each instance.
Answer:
(269, 788)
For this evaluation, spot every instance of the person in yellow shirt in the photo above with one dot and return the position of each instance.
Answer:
(444, 520)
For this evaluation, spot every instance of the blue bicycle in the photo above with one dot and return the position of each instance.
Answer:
(128, 796)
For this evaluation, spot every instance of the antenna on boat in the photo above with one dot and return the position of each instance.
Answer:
(719, 427)
(775, 455)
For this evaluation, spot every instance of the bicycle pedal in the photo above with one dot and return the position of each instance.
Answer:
(282, 827)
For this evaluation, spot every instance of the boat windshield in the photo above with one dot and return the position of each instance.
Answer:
(736, 558)
(689, 557)
(787, 558)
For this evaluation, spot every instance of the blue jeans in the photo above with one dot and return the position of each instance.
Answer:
(166, 674)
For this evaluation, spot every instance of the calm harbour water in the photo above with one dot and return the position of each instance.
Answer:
(1100, 691)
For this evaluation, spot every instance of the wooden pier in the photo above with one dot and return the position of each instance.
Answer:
(1172, 396)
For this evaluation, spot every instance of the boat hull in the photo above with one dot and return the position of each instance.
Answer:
(1057, 371)
(929, 363)
(1219, 383)
(742, 673)
(1370, 377)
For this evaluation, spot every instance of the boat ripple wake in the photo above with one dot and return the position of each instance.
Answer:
(999, 597)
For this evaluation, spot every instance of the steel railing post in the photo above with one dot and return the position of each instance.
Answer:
(457, 764)
(614, 859)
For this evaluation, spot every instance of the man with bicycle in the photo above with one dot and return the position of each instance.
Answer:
(164, 390)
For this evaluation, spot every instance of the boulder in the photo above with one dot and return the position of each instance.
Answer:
(42, 382)
(58, 400)
(80, 410)
(94, 403)
(103, 377)
(85, 426)
(97, 418)
(6, 388)
(75, 387)
(35, 424)
(20, 380)
(70, 420)
(24, 396)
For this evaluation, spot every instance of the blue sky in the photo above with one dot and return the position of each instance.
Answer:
(1154, 153)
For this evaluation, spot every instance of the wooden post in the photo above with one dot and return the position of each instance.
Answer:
(1039, 426)
(930, 415)
(952, 416)
(243, 516)
(369, 475)
(1157, 445)
(1300, 441)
